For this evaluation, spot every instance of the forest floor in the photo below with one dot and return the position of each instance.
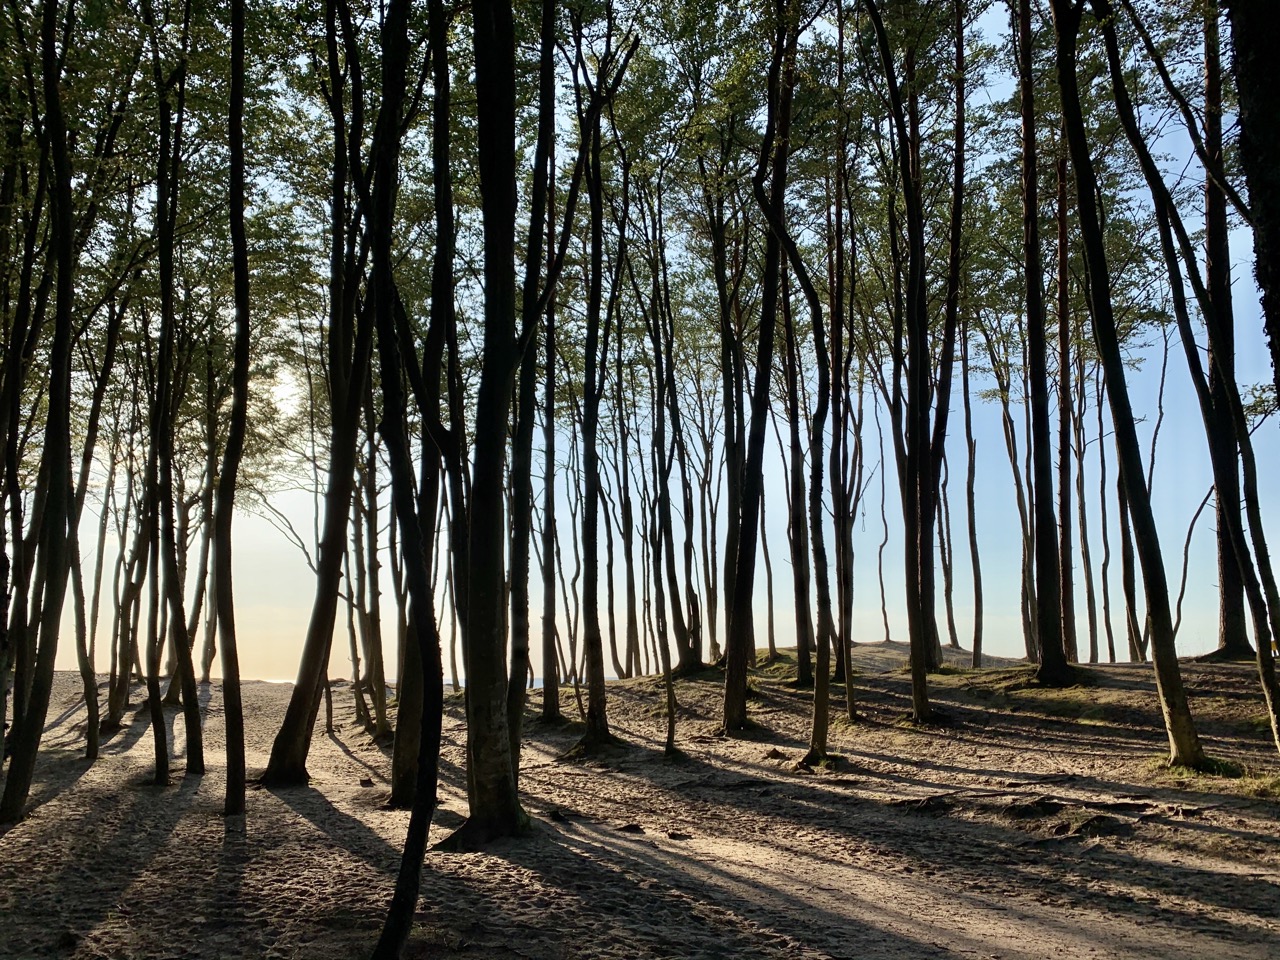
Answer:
(1030, 824)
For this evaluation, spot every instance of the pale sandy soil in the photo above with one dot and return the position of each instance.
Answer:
(1031, 825)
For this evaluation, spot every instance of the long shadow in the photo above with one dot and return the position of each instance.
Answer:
(346, 831)
(778, 883)
(59, 770)
(377, 773)
(99, 850)
(597, 890)
(1001, 854)
(122, 739)
(221, 900)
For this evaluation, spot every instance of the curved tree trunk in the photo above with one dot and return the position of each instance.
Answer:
(1184, 744)
(775, 144)
(57, 438)
(349, 341)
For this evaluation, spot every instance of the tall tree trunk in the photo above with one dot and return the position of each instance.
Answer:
(1100, 389)
(526, 401)
(776, 143)
(1053, 669)
(495, 807)
(234, 800)
(1065, 533)
(1257, 72)
(168, 185)
(1184, 744)
(597, 730)
(550, 656)
(57, 437)
(798, 531)
(918, 481)
(1128, 575)
(349, 341)
(1233, 637)
(1266, 621)
(1086, 560)
(413, 514)
(970, 491)
(768, 583)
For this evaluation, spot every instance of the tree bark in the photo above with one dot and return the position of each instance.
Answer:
(495, 808)
(57, 437)
(1233, 636)
(776, 142)
(1053, 669)
(1184, 744)
(1257, 73)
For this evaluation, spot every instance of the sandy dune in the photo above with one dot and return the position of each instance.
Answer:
(1031, 825)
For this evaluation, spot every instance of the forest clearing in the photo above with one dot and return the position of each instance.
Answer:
(1032, 823)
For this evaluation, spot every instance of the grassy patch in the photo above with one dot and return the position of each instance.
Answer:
(1261, 787)
(1213, 767)
(781, 667)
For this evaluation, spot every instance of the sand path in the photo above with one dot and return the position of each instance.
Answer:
(999, 836)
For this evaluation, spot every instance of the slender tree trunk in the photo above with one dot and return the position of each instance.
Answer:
(970, 497)
(1100, 389)
(234, 800)
(550, 656)
(522, 451)
(796, 501)
(1053, 669)
(776, 142)
(1184, 744)
(1266, 622)
(1128, 577)
(1233, 637)
(1065, 532)
(57, 437)
(593, 642)
(768, 581)
(1086, 561)
(349, 341)
(946, 551)
(919, 482)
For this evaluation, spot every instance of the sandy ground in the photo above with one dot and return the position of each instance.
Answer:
(1030, 825)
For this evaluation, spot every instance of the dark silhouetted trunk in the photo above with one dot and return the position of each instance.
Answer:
(53, 547)
(775, 145)
(1233, 637)
(348, 344)
(1184, 744)
(1053, 669)
(1066, 531)
(1254, 26)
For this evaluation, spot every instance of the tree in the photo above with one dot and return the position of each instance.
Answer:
(347, 350)
(775, 148)
(229, 475)
(491, 785)
(56, 466)
(1053, 668)
(1184, 744)
(1257, 76)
